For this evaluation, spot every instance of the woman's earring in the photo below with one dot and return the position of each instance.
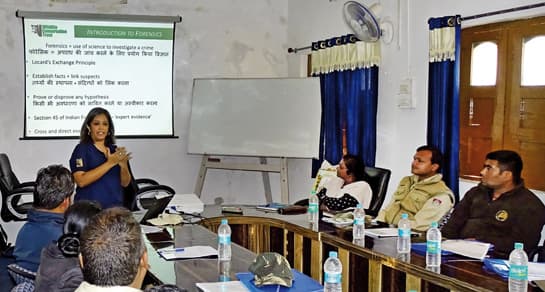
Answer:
(88, 131)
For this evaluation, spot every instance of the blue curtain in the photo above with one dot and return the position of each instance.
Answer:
(349, 101)
(443, 105)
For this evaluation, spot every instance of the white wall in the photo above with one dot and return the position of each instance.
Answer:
(399, 131)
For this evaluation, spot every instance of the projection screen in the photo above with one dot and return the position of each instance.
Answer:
(75, 62)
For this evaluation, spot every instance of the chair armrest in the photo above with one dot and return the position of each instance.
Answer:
(155, 188)
(28, 184)
(141, 195)
(146, 181)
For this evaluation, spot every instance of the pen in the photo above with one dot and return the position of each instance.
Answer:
(173, 250)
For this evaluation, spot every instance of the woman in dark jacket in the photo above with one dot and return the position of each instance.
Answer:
(59, 268)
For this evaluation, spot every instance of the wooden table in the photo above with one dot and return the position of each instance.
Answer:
(375, 267)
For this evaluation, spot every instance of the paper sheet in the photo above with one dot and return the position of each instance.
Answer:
(469, 248)
(231, 286)
(190, 252)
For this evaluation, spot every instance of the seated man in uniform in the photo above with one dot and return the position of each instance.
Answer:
(500, 210)
(424, 196)
(113, 255)
(52, 196)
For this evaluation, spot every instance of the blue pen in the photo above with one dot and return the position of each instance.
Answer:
(180, 249)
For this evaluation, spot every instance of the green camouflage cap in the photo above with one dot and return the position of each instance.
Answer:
(271, 268)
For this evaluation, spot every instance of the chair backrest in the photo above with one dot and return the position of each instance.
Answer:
(378, 179)
(8, 180)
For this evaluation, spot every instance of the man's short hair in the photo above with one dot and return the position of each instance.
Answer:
(436, 155)
(111, 248)
(508, 160)
(53, 185)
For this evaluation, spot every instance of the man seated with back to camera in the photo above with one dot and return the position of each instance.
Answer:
(500, 210)
(52, 196)
(424, 196)
(113, 255)
(348, 188)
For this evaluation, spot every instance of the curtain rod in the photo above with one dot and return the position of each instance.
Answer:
(486, 14)
(294, 50)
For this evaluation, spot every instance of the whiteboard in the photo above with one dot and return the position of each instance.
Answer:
(277, 117)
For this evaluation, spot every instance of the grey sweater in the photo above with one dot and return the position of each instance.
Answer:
(56, 272)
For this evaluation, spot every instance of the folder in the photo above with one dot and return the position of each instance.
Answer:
(301, 283)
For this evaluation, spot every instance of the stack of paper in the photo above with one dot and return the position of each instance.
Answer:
(469, 248)
(191, 252)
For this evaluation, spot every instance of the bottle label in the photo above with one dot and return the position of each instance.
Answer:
(333, 278)
(518, 272)
(224, 239)
(433, 247)
(404, 232)
(313, 208)
(359, 221)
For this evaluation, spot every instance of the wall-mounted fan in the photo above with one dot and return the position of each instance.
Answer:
(365, 24)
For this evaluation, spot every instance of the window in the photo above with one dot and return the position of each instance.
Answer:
(502, 96)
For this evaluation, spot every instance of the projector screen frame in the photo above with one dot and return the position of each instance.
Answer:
(101, 17)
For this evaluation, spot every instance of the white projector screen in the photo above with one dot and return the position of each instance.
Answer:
(75, 62)
(256, 117)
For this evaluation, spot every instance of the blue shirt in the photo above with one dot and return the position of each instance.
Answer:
(41, 229)
(107, 190)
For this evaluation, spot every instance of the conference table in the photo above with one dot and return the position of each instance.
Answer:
(376, 266)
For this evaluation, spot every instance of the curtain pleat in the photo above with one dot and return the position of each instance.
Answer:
(444, 95)
(348, 71)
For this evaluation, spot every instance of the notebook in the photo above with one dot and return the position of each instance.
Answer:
(157, 208)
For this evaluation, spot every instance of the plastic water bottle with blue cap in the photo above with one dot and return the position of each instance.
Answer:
(332, 273)
(224, 241)
(433, 246)
(404, 234)
(313, 207)
(358, 229)
(518, 269)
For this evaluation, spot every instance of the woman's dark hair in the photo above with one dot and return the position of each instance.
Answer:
(85, 135)
(355, 166)
(76, 218)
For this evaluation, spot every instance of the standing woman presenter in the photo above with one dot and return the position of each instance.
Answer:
(100, 167)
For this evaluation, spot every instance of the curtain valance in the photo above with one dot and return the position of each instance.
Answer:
(343, 53)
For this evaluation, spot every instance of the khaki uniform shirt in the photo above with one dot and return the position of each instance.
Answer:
(424, 201)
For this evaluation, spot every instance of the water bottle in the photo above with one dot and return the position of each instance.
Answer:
(358, 229)
(433, 246)
(518, 269)
(224, 241)
(332, 273)
(404, 234)
(313, 206)
(224, 268)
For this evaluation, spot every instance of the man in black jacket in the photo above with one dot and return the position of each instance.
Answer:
(500, 210)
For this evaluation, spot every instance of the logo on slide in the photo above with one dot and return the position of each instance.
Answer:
(46, 30)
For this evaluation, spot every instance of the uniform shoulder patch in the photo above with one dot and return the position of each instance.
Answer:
(79, 162)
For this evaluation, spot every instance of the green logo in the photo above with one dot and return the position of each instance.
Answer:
(46, 30)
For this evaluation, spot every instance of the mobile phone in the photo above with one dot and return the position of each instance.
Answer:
(232, 210)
